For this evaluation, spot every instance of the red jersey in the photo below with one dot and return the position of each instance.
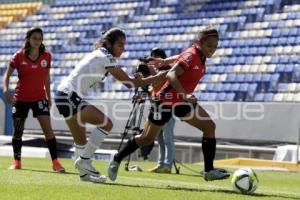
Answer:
(31, 74)
(194, 69)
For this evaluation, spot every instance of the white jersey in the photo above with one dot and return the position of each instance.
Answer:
(89, 71)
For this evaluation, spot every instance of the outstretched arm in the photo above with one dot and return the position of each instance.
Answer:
(130, 82)
(160, 62)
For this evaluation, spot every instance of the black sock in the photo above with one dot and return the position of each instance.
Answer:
(17, 147)
(209, 151)
(128, 148)
(51, 143)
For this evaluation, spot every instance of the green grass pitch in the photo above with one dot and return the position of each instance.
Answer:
(37, 181)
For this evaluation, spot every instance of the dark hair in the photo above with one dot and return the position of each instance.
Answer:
(160, 53)
(110, 36)
(27, 38)
(207, 32)
(157, 52)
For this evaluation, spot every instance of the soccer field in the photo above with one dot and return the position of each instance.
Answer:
(37, 181)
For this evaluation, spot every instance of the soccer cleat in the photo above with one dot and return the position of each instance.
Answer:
(113, 169)
(219, 169)
(93, 179)
(161, 169)
(16, 165)
(56, 166)
(216, 174)
(85, 165)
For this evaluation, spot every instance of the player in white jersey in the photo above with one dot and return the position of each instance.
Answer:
(90, 70)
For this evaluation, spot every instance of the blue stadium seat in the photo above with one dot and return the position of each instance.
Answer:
(240, 78)
(210, 87)
(268, 97)
(231, 78)
(282, 87)
(248, 78)
(259, 97)
(221, 96)
(230, 96)
(226, 87)
(212, 96)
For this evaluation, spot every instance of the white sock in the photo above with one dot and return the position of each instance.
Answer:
(95, 140)
(78, 150)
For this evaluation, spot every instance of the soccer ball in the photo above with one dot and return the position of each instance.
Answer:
(244, 180)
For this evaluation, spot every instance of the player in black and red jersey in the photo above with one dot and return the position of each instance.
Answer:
(32, 63)
(175, 98)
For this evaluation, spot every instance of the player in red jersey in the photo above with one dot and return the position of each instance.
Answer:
(175, 98)
(32, 63)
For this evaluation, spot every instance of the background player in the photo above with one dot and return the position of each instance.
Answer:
(32, 63)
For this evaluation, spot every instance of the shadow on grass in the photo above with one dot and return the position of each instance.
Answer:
(203, 190)
(47, 171)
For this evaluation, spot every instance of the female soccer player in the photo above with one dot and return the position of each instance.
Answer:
(32, 63)
(175, 98)
(90, 70)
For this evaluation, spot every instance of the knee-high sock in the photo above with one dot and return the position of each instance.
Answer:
(209, 151)
(78, 150)
(128, 148)
(51, 143)
(95, 140)
(17, 147)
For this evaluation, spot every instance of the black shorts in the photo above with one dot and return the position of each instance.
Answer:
(69, 104)
(161, 114)
(21, 108)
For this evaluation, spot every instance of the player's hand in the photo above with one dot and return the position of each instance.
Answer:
(156, 62)
(190, 98)
(10, 100)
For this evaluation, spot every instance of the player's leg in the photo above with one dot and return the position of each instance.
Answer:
(17, 142)
(168, 137)
(20, 112)
(147, 137)
(156, 119)
(83, 176)
(79, 134)
(78, 131)
(201, 120)
(41, 112)
(78, 112)
(90, 114)
(161, 154)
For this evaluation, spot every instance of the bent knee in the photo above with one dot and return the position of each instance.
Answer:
(108, 126)
(209, 129)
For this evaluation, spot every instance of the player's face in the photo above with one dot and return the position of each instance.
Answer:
(209, 46)
(36, 40)
(118, 47)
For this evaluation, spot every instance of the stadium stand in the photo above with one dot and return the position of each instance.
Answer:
(15, 12)
(258, 49)
(258, 52)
